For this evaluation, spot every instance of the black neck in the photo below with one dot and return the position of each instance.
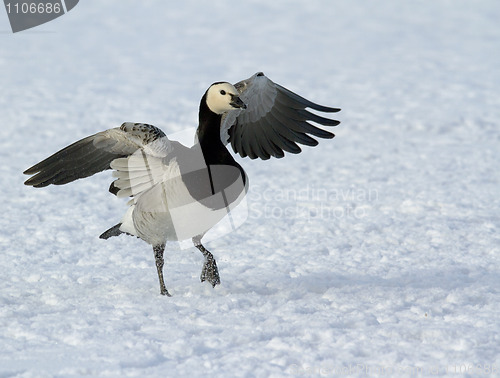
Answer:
(208, 131)
(214, 151)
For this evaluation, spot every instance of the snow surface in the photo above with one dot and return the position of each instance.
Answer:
(374, 254)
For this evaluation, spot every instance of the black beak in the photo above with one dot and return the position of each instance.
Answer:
(237, 103)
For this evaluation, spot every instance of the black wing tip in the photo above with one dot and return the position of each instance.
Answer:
(35, 183)
(328, 122)
(331, 110)
(30, 171)
(326, 135)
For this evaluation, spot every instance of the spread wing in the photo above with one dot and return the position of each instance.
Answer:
(275, 120)
(97, 152)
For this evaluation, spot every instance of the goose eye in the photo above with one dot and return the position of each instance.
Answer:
(223, 92)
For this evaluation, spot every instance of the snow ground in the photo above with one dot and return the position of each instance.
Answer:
(373, 254)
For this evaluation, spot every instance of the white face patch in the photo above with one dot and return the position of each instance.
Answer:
(219, 97)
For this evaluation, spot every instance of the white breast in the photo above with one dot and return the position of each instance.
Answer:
(168, 212)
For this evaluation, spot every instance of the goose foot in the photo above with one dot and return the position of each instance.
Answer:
(209, 272)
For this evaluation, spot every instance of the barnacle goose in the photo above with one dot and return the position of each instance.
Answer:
(179, 193)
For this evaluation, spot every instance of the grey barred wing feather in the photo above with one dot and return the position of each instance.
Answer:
(95, 153)
(274, 122)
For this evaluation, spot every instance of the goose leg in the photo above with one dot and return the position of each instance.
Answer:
(158, 250)
(209, 271)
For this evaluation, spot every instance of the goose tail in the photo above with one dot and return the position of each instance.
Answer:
(113, 231)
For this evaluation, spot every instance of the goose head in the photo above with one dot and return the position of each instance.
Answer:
(222, 97)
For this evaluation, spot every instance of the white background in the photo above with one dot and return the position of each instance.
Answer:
(376, 252)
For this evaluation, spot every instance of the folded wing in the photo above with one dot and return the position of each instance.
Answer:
(274, 122)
